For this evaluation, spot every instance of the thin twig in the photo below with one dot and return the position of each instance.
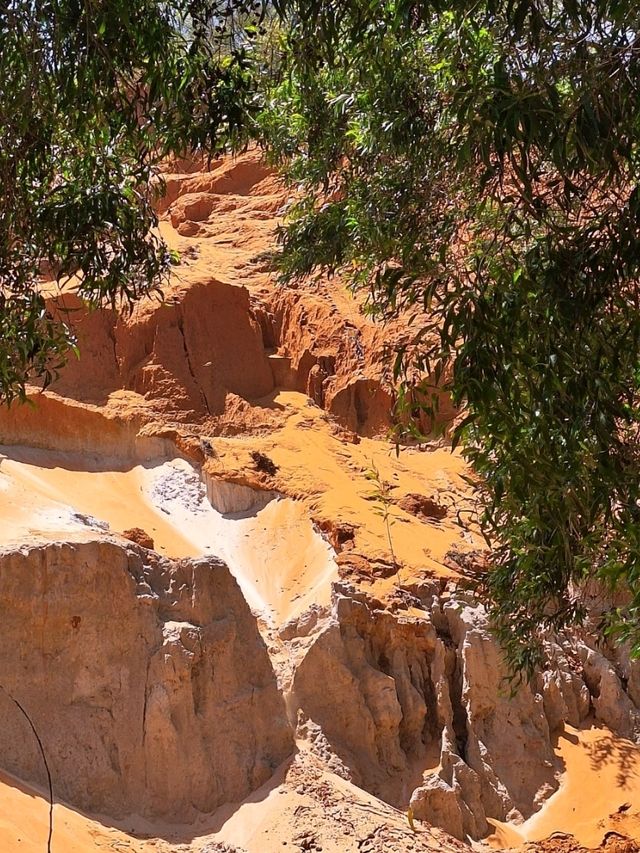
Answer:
(44, 760)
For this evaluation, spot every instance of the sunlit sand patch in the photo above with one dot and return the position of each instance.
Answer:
(24, 826)
(599, 792)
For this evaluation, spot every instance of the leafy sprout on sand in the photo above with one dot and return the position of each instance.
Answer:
(384, 505)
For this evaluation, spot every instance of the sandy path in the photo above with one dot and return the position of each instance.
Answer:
(279, 560)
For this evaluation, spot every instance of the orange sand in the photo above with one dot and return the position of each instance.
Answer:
(601, 776)
(36, 500)
(24, 826)
(317, 465)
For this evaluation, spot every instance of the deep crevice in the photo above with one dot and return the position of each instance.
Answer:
(189, 365)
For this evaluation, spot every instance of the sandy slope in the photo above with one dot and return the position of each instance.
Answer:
(302, 808)
(278, 558)
(329, 473)
(599, 791)
(24, 826)
(305, 807)
(325, 473)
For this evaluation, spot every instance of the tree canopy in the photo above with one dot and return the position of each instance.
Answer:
(477, 164)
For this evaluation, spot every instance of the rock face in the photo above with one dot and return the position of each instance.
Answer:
(333, 355)
(424, 681)
(147, 680)
(185, 355)
(496, 747)
(365, 681)
(383, 691)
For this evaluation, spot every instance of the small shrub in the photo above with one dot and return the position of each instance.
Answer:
(263, 463)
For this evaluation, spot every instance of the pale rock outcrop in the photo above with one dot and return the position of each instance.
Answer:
(440, 804)
(508, 742)
(147, 680)
(230, 498)
(565, 695)
(383, 689)
(364, 680)
(407, 681)
(611, 703)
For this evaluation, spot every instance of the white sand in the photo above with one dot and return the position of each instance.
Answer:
(281, 563)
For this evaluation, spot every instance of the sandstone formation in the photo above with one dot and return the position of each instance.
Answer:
(147, 679)
(384, 690)
(225, 334)
(361, 706)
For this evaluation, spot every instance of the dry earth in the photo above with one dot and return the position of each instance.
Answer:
(222, 643)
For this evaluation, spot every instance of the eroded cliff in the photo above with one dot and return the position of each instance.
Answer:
(275, 662)
(148, 679)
